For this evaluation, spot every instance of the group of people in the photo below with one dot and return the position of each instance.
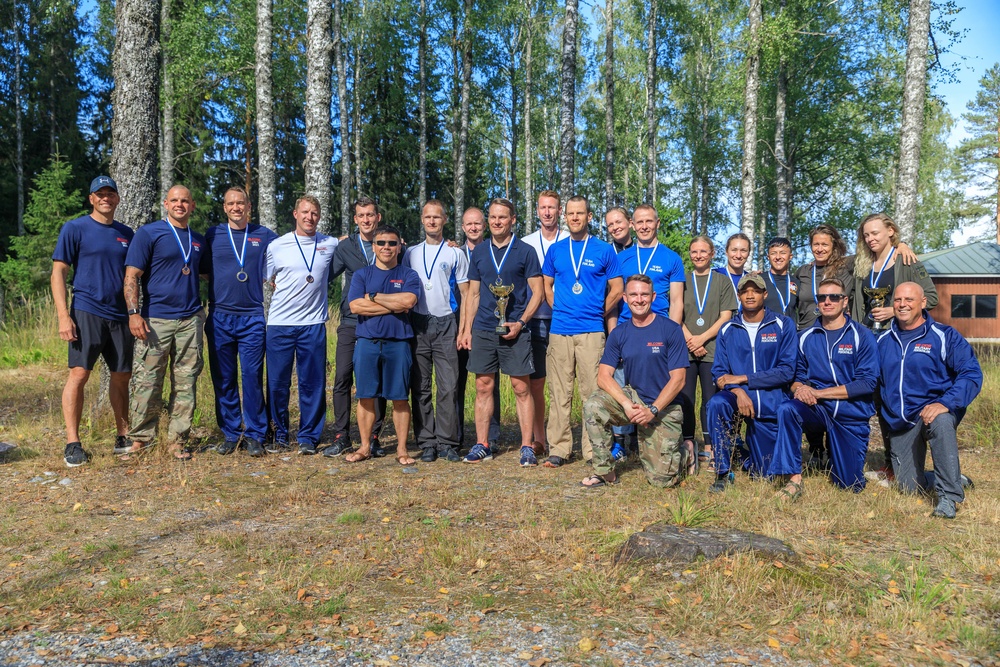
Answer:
(777, 354)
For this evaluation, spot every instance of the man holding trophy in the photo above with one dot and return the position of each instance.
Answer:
(496, 331)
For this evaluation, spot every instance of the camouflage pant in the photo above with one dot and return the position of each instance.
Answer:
(661, 450)
(179, 343)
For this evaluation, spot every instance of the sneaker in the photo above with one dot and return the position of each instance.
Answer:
(967, 482)
(430, 455)
(450, 454)
(528, 459)
(479, 453)
(554, 462)
(254, 448)
(122, 444)
(377, 450)
(945, 509)
(341, 444)
(722, 482)
(227, 447)
(75, 455)
(307, 448)
(278, 447)
(617, 451)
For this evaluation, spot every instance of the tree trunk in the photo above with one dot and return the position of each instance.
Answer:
(359, 186)
(463, 121)
(267, 206)
(914, 89)
(18, 124)
(513, 125)
(136, 104)
(704, 204)
(529, 181)
(567, 124)
(168, 146)
(319, 130)
(609, 105)
(345, 149)
(749, 170)
(783, 184)
(422, 104)
(650, 105)
(550, 158)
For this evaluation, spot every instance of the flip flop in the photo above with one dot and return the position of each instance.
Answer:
(135, 449)
(357, 456)
(599, 483)
(405, 461)
(180, 453)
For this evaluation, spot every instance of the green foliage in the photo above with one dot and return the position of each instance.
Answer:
(50, 203)
(979, 154)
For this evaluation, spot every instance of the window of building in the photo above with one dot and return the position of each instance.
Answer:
(978, 306)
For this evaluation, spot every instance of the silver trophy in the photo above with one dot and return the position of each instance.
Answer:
(501, 292)
(876, 299)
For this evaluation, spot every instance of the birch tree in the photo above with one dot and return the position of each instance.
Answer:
(345, 149)
(914, 93)
(748, 171)
(567, 115)
(651, 58)
(266, 154)
(609, 104)
(319, 131)
(462, 139)
(168, 146)
(529, 182)
(422, 104)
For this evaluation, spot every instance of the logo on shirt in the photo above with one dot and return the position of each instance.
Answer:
(255, 240)
(196, 246)
(769, 338)
(924, 348)
(124, 242)
(654, 346)
(792, 287)
(589, 262)
(845, 348)
(396, 283)
(321, 249)
(656, 268)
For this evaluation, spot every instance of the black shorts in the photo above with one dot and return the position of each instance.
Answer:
(539, 345)
(490, 353)
(96, 337)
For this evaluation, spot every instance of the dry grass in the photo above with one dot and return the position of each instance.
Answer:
(240, 551)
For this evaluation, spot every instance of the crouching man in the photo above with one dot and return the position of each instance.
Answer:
(652, 349)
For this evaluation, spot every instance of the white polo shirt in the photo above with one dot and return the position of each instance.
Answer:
(296, 300)
(541, 246)
(437, 265)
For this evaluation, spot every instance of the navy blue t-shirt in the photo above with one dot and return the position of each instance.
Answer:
(225, 292)
(521, 264)
(649, 354)
(397, 280)
(166, 292)
(97, 254)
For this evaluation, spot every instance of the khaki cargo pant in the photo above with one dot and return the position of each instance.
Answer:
(179, 344)
(661, 450)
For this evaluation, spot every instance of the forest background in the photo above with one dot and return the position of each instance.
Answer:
(766, 117)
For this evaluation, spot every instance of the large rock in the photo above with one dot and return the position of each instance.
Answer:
(669, 543)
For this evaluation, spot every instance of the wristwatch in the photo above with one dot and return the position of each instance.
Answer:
(371, 296)
(521, 322)
(655, 410)
(133, 311)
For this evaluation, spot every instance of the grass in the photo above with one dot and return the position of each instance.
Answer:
(192, 552)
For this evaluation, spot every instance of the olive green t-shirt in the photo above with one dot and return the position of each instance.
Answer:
(721, 296)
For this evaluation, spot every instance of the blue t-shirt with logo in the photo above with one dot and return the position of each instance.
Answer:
(397, 280)
(97, 254)
(521, 264)
(661, 264)
(167, 293)
(225, 292)
(582, 313)
(649, 353)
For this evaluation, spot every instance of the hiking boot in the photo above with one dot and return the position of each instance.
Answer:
(450, 454)
(255, 448)
(75, 455)
(945, 509)
(479, 453)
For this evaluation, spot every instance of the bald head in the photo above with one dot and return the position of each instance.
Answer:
(473, 224)
(908, 304)
(179, 205)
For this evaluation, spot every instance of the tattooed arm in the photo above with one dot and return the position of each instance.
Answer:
(136, 324)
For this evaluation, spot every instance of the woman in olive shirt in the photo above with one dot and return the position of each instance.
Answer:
(709, 302)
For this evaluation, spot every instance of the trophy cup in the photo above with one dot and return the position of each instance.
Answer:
(501, 292)
(876, 299)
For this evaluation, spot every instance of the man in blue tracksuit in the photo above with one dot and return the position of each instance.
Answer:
(236, 326)
(754, 365)
(833, 392)
(929, 376)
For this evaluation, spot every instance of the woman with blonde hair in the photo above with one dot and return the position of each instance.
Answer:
(876, 273)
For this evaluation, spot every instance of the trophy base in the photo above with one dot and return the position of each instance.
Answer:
(503, 330)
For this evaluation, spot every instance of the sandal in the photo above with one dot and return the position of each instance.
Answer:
(405, 460)
(706, 458)
(598, 481)
(180, 452)
(791, 492)
(693, 461)
(357, 456)
(134, 448)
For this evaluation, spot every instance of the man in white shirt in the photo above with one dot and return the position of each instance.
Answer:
(298, 266)
(435, 423)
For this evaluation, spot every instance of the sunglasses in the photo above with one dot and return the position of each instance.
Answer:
(836, 298)
(391, 244)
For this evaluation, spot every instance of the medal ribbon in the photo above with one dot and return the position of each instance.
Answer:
(541, 242)
(578, 265)
(649, 261)
(361, 243)
(309, 265)
(503, 259)
(873, 279)
(788, 291)
(440, 248)
(699, 299)
(187, 257)
(240, 256)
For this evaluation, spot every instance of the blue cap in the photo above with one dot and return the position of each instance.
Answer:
(102, 182)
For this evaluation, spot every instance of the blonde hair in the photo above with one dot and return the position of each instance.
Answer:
(864, 258)
(703, 239)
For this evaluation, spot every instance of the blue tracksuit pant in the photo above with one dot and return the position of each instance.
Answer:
(305, 346)
(236, 351)
(847, 438)
(760, 436)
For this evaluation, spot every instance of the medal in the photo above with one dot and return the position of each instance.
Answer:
(428, 285)
(309, 264)
(187, 256)
(242, 276)
(701, 299)
(240, 256)
(577, 287)
(700, 321)
(499, 267)
(429, 272)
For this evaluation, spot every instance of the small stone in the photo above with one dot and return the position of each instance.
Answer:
(65, 481)
(35, 480)
(49, 474)
(333, 471)
(409, 470)
(259, 473)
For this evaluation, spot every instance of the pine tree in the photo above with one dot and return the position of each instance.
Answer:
(980, 153)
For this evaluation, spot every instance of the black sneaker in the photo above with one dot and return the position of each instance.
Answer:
(945, 509)
(722, 482)
(278, 447)
(227, 447)
(430, 455)
(75, 455)
(450, 454)
(377, 450)
(307, 448)
(122, 444)
(254, 448)
(341, 444)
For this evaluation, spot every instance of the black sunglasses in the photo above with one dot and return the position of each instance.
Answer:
(391, 244)
(836, 298)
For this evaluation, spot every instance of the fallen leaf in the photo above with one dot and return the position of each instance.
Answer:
(525, 655)
(240, 630)
(773, 643)
(535, 628)
(280, 630)
(443, 591)
(301, 594)
(586, 644)
(480, 563)
(538, 663)
(778, 564)
(77, 506)
(111, 629)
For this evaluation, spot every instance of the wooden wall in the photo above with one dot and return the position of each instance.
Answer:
(968, 327)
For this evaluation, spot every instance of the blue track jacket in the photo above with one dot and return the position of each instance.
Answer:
(769, 364)
(938, 366)
(853, 363)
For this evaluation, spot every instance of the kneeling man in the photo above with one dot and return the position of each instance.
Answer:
(833, 392)
(652, 349)
(929, 376)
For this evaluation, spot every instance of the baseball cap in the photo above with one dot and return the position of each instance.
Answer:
(754, 278)
(103, 182)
